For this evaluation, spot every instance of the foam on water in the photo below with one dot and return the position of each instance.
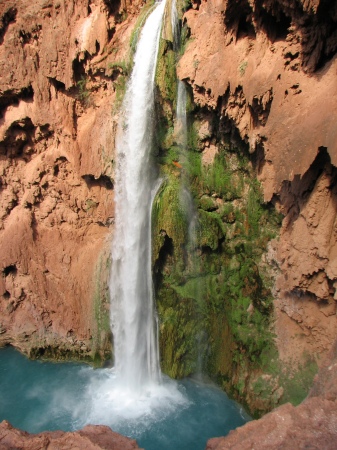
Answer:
(114, 404)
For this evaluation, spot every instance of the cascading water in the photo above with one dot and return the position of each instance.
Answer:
(180, 133)
(133, 319)
(189, 208)
(181, 139)
(132, 389)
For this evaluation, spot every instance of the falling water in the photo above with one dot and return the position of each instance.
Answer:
(186, 198)
(133, 316)
(181, 140)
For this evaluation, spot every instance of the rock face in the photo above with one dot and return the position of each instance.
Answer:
(90, 437)
(58, 86)
(269, 71)
(310, 425)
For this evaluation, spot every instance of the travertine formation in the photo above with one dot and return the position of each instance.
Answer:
(269, 69)
(310, 425)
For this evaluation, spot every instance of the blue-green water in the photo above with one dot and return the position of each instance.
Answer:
(37, 396)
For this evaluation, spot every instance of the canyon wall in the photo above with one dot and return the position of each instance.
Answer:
(268, 71)
(59, 90)
(309, 425)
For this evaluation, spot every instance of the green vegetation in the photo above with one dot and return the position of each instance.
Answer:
(295, 380)
(83, 92)
(221, 277)
(120, 87)
(296, 385)
(101, 340)
(211, 289)
(123, 67)
(90, 205)
(166, 77)
(242, 68)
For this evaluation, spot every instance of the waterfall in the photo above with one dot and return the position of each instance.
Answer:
(133, 318)
(133, 397)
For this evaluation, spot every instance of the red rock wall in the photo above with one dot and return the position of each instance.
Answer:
(269, 69)
(91, 437)
(57, 92)
(309, 425)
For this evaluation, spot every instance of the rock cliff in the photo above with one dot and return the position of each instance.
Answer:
(309, 425)
(268, 70)
(58, 93)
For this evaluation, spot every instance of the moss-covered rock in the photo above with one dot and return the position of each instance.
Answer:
(214, 305)
(101, 349)
(212, 289)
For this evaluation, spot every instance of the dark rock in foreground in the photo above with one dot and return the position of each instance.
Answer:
(91, 437)
(311, 425)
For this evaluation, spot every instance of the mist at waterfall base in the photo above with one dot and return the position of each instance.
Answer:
(38, 396)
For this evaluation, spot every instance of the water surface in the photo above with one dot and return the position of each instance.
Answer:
(38, 396)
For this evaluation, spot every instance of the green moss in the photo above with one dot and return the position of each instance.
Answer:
(297, 385)
(209, 230)
(166, 76)
(211, 289)
(143, 15)
(123, 67)
(90, 204)
(120, 85)
(83, 93)
(101, 339)
(207, 203)
(169, 219)
(242, 68)
(178, 334)
(295, 381)
(218, 179)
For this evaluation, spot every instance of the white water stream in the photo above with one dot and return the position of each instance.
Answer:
(133, 317)
(133, 392)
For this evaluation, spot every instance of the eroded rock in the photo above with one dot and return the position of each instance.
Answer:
(310, 425)
(269, 70)
(57, 93)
